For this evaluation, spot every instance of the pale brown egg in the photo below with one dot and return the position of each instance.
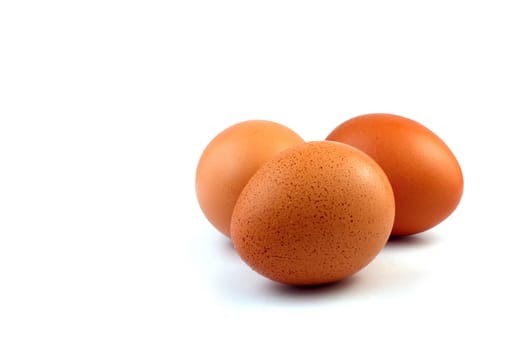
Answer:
(316, 213)
(424, 173)
(230, 160)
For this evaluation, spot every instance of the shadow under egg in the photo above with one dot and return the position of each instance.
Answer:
(415, 240)
(305, 291)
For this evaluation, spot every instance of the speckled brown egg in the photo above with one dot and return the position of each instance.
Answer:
(316, 213)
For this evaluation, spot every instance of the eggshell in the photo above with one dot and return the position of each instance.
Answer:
(316, 213)
(424, 173)
(230, 160)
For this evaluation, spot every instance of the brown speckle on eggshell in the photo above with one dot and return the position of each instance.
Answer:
(316, 213)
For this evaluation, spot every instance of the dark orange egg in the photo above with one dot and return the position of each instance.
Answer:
(424, 173)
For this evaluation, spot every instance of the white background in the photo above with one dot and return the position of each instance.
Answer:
(105, 107)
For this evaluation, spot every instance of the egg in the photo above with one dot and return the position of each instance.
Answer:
(230, 160)
(424, 173)
(315, 213)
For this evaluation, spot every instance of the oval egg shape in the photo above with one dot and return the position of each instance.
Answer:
(316, 213)
(424, 173)
(230, 160)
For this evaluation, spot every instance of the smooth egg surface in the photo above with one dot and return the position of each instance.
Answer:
(230, 160)
(425, 175)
